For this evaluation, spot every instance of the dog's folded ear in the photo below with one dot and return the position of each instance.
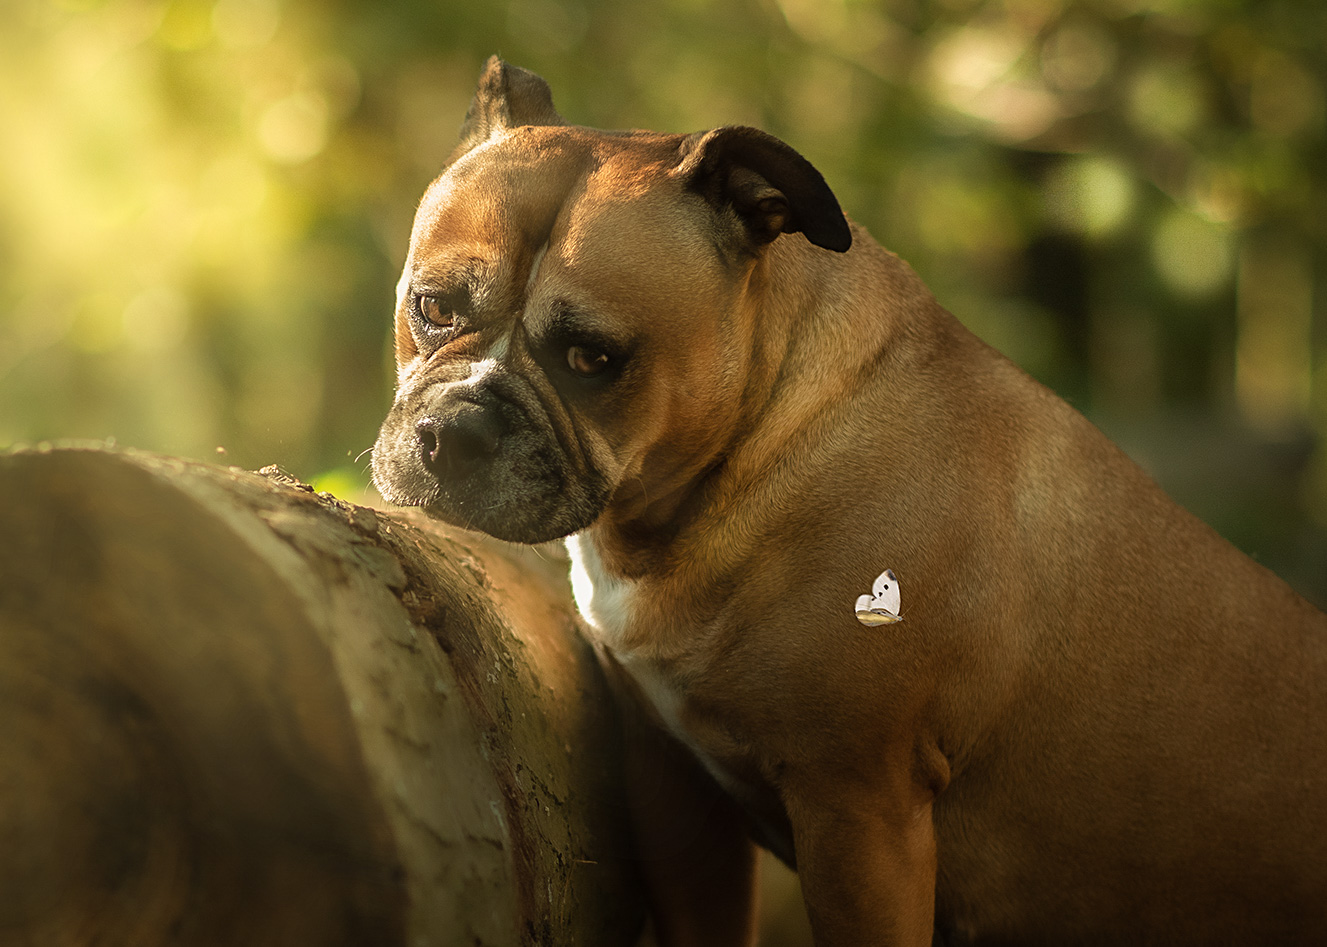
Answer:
(507, 97)
(771, 188)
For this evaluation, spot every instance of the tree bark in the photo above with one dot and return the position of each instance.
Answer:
(234, 711)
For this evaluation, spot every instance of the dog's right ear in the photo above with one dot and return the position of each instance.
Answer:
(507, 97)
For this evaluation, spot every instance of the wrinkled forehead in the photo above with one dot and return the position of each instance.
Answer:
(509, 186)
(514, 190)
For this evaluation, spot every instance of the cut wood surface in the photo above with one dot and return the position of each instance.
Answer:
(234, 711)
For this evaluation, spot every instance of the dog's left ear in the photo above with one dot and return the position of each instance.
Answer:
(771, 187)
(507, 97)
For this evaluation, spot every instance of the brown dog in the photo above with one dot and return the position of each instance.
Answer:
(1097, 723)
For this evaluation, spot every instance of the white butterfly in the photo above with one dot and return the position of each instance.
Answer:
(882, 606)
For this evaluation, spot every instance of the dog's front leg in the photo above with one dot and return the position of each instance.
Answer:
(698, 863)
(695, 856)
(867, 864)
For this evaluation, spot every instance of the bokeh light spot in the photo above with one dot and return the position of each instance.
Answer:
(1077, 57)
(245, 24)
(978, 72)
(294, 129)
(1191, 254)
(186, 26)
(1167, 99)
(1091, 195)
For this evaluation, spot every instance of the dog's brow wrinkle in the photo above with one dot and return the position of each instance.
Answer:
(534, 266)
(451, 271)
(567, 317)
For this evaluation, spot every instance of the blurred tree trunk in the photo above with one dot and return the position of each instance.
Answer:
(236, 712)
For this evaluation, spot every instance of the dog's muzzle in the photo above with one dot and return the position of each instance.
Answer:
(479, 458)
(453, 448)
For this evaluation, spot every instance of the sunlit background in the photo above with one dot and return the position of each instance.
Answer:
(204, 205)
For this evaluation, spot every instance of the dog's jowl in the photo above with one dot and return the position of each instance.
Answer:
(1096, 722)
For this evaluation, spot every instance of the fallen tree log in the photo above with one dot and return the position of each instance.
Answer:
(234, 711)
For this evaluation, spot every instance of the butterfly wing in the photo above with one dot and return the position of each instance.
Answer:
(886, 591)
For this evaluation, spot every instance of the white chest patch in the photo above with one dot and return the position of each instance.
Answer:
(604, 600)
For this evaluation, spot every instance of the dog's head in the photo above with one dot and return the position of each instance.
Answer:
(574, 314)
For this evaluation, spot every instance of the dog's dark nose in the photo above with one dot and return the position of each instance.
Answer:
(455, 445)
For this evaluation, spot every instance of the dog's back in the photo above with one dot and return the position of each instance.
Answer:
(1148, 761)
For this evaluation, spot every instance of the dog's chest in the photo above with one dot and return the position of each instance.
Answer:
(612, 607)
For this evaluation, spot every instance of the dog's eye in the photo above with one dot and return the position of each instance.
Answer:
(585, 361)
(433, 310)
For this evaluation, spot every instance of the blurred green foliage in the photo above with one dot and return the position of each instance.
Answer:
(204, 204)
